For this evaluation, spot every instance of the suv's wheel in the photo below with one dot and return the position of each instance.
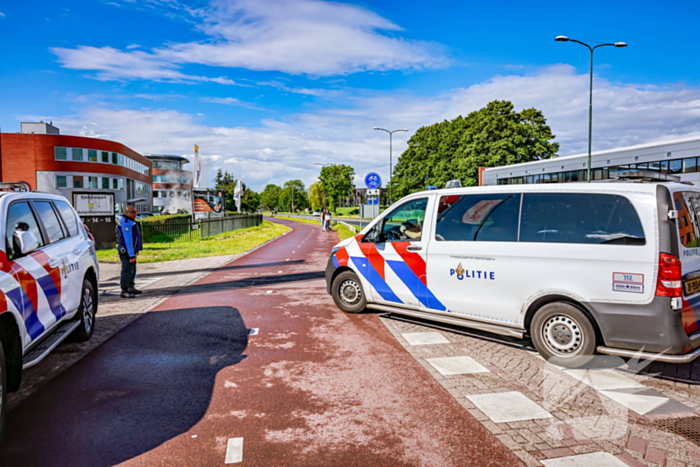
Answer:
(3, 390)
(86, 313)
(348, 293)
(563, 334)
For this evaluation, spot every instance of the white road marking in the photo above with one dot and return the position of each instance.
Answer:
(456, 365)
(425, 338)
(506, 407)
(294, 251)
(254, 331)
(604, 379)
(269, 291)
(287, 259)
(593, 459)
(194, 436)
(640, 403)
(279, 272)
(234, 451)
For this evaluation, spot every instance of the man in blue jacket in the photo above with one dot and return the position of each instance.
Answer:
(129, 238)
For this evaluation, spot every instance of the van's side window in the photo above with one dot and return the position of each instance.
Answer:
(478, 218)
(580, 218)
(50, 221)
(404, 223)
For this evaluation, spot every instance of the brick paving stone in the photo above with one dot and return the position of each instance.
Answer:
(561, 452)
(527, 458)
(629, 460)
(638, 444)
(656, 455)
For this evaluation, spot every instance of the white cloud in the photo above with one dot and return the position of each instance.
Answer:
(318, 92)
(292, 36)
(280, 150)
(230, 101)
(112, 64)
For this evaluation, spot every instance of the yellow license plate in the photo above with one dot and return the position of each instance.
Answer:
(692, 286)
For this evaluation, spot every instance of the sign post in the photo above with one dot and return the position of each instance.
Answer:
(96, 210)
(373, 182)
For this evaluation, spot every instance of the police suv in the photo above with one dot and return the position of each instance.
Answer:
(48, 281)
(580, 267)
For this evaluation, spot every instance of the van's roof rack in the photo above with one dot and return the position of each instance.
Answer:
(23, 187)
(642, 176)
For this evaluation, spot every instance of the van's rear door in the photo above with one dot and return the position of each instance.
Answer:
(687, 202)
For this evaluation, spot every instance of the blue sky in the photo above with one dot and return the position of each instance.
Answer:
(267, 88)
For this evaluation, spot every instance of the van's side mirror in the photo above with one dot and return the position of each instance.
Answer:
(25, 241)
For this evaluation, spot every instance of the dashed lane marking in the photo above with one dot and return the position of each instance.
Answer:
(269, 291)
(234, 451)
(506, 407)
(279, 272)
(425, 338)
(456, 365)
(593, 459)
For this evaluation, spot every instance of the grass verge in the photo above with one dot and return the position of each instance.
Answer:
(227, 243)
(343, 231)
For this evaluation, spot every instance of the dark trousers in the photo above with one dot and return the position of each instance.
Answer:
(128, 271)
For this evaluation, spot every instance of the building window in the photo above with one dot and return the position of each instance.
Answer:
(105, 183)
(115, 184)
(61, 181)
(60, 153)
(77, 154)
(186, 194)
(689, 165)
(172, 194)
(121, 183)
(179, 194)
(77, 182)
(92, 182)
(105, 157)
(92, 155)
(115, 158)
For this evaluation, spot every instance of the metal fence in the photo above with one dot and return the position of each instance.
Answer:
(178, 230)
(211, 227)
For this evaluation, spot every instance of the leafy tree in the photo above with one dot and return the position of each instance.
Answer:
(316, 196)
(337, 181)
(300, 196)
(250, 200)
(270, 196)
(492, 136)
(226, 182)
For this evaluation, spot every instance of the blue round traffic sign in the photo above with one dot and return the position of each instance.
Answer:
(373, 180)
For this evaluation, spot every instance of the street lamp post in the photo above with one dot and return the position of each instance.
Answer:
(590, 94)
(391, 133)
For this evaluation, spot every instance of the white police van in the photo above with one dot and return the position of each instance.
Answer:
(580, 267)
(48, 281)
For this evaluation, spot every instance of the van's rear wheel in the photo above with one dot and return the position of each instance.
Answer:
(563, 334)
(348, 293)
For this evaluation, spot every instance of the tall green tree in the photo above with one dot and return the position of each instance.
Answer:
(492, 136)
(270, 196)
(250, 200)
(316, 196)
(226, 182)
(336, 180)
(301, 198)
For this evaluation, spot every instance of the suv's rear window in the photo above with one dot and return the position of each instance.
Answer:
(580, 218)
(687, 204)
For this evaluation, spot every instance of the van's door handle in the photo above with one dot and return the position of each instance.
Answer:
(414, 248)
(77, 251)
(53, 262)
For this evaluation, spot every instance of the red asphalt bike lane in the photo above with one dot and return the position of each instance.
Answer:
(314, 386)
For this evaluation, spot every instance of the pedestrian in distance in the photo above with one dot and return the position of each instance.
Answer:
(129, 246)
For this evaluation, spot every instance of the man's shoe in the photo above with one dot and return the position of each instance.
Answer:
(126, 294)
(134, 291)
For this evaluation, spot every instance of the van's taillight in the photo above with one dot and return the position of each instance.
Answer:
(669, 282)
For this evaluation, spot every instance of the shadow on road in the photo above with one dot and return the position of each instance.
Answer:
(189, 271)
(148, 384)
(223, 285)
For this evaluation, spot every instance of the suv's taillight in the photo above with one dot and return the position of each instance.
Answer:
(669, 282)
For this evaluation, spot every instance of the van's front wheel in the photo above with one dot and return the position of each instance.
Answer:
(563, 335)
(348, 294)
